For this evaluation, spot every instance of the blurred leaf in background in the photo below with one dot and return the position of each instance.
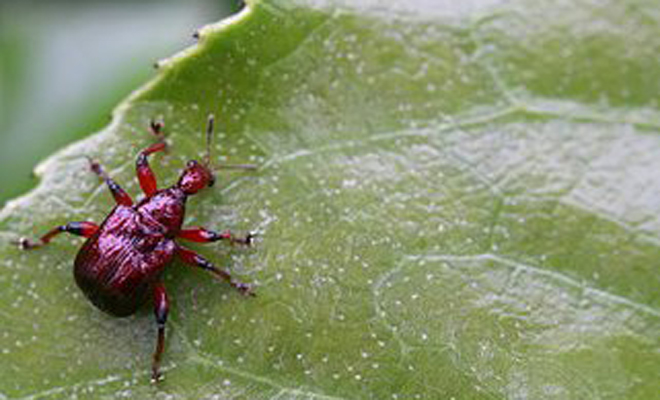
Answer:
(65, 64)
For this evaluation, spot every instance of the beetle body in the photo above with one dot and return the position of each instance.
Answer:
(121, 263)
(117, 267)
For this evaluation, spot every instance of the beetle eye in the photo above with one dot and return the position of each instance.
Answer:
(191, 163)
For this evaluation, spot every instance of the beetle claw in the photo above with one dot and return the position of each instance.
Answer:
(247, 240)
(95, 167)
(156, 128)
(156, 377)
(24, 243)
(245, 289)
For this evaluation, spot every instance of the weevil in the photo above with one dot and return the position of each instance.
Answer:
(120, 265)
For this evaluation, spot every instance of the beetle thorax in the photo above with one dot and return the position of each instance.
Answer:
(166, 208)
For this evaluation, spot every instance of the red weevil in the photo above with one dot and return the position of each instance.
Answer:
(121, 263)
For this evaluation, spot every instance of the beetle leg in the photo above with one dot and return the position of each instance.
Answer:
(120, 196)
(203, 235)
(161, 309)
(192, 258)
(145, 175)
(84, 228)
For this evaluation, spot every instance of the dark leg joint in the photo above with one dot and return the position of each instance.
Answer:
(161, 316)
(142, 160)
(113, 186)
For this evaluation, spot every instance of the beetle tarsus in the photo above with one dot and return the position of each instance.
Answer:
(26, 244)
(80, 228)
(244, 288)
(247, 240)
(156, 377)
(156, 129)
(161, 309)
(94, 166)
(120, 196)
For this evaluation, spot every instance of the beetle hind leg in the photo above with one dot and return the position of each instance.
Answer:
(84, 229)
(161, 309)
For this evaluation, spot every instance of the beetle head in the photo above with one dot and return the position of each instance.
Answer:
(195, 177)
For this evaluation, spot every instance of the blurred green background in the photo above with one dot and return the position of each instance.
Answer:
(64, 65)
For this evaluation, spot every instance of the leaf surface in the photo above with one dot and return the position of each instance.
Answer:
(453, 201)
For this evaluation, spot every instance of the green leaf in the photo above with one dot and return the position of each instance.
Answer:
(454, 201)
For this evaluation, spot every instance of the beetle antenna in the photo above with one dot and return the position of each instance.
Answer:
(238, 166)
(209, 140)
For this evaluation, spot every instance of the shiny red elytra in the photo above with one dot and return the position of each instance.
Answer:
(121, 263)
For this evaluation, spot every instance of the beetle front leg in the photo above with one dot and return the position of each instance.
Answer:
(192, 258)
(203, 235)
(84, 228)
(146, 176)
(120, 196)
(161, 309)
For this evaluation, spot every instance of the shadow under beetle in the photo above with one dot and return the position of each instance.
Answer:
(121, 263)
